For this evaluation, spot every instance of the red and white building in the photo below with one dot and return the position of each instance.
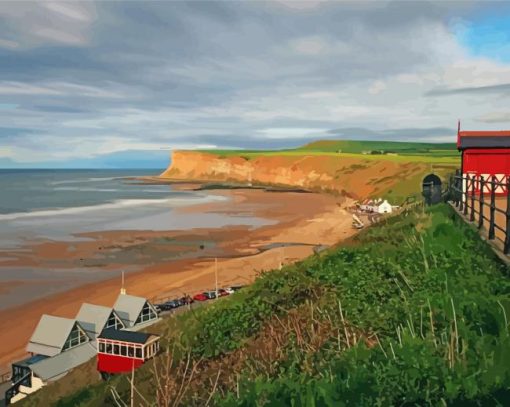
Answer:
(487, 154)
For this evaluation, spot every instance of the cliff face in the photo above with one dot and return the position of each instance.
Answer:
(355, 176)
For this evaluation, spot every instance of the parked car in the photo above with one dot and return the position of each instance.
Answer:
(173, 304)
(186, 300)
(161, 307)
(222, 292)
(211, 295)
(200, 297)
(229, 290)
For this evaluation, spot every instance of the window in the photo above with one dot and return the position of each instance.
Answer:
(131, 351)
(138, 353)
(109, 348)
(76, 337)
(116, 349)
(123, 350)
(114, 322)
(101, 347)
(147, 314)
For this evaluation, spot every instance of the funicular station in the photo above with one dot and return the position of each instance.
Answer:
(479, 190)
(111, 334)
(122, 351)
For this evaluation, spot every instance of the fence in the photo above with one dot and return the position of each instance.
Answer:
(484, 200)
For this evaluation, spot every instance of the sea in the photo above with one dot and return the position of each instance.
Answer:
(59, 205)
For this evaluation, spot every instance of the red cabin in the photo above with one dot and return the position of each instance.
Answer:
(121, 351)
(487, 154)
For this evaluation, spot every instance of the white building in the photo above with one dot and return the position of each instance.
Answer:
(384, 207)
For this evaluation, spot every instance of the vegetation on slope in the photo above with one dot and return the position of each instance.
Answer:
(399, 147)
(411, 312)
(390, 150)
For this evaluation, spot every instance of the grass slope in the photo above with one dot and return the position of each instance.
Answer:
(413, 311)
(442, 152)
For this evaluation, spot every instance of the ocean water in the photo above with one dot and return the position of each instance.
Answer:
(41, 205)
(58, 204)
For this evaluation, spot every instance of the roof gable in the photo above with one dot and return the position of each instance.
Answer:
(128, 307)
(50, 335)
(93, 318)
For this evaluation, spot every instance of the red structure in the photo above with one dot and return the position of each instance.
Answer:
(121, 351)
(487, 154)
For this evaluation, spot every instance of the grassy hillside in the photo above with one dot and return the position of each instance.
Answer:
(430, 152)
(411, 312)
(407, 148)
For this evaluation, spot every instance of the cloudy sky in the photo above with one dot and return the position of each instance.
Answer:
(82, 80)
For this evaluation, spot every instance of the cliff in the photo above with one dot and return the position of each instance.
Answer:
(355, 175)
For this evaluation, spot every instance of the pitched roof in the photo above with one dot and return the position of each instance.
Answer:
(50, 335)
(128, 307)
(53, 367)
(93, 318)
(483, 139)
(124, 336)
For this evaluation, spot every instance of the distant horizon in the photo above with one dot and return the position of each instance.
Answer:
(162, 157)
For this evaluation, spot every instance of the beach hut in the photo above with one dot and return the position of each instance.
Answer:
(135, 312)
(95, 318)
(123, 351)
(54, 335)
(57, 346)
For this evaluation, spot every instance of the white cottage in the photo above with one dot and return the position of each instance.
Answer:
(384, 207)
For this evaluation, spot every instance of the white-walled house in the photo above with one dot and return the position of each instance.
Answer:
(384, 207)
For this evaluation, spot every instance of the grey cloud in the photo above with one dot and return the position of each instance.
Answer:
(495, 117)
(503, 88)
(220, 73)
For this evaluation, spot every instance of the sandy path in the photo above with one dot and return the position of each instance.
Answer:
(302, 218)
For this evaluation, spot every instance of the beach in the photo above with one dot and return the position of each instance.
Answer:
(283, 227)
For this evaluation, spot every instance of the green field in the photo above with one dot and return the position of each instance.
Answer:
(413, 311)
(390, 150)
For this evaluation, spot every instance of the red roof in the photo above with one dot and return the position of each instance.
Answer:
(482, 133)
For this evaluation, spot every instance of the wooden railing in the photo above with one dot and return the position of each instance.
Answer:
(476, 198)
(14, 389)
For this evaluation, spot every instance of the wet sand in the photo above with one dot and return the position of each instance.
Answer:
(162, 270)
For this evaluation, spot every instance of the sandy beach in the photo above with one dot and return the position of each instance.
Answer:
(162, 264)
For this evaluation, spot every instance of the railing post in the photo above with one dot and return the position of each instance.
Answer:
(458, 190)
(507, 229)
(480, 213)
(466, 195)
(473, 185)
(492, 233)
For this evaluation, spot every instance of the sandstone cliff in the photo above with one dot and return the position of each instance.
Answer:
(355, 176)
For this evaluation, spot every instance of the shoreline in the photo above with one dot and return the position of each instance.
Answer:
(242, 252)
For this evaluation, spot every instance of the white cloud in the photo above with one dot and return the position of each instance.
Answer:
(377, 87)
(39, 23)
(8, 44)
(495, 117)
(71, 10)
(286, 132)
(64, 37)
(55, 89)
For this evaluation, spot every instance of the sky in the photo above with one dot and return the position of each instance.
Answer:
(91, 84)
